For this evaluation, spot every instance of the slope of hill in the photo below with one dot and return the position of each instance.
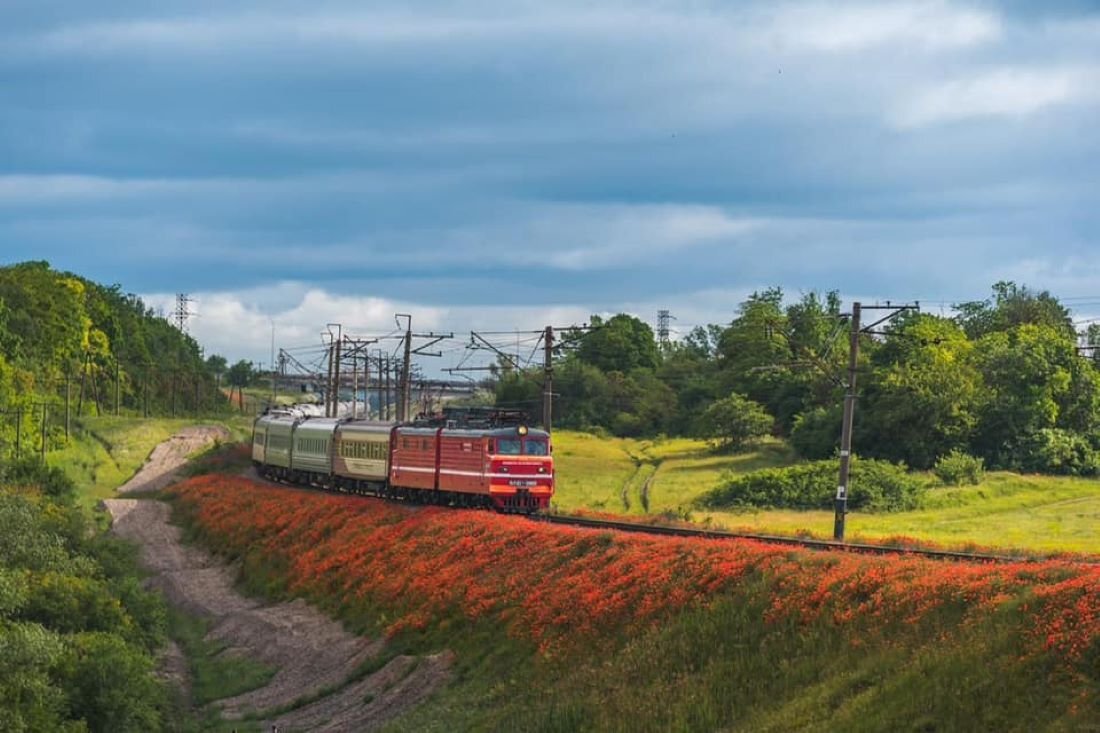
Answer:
(560, 629)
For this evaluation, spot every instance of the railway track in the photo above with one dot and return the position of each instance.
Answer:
(829, 545)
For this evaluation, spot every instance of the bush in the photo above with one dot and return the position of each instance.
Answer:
(958, 468)
(1052, 450)
(873, 486)
(31, 472)
(734, 421)
(816, 433)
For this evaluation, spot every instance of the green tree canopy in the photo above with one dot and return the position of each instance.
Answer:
(620, 344)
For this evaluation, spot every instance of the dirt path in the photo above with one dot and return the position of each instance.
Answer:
(311, 653)
(166, 459)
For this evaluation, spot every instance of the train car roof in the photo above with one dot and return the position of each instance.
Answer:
(508, 432)
(278, 416)
(366, 426)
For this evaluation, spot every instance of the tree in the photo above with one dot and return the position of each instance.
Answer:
(923, 393)
(734, 420)
(217, 365)
(782, 358)
(1013, 305)
(1029, 375)
(240, 374)
(620, 344)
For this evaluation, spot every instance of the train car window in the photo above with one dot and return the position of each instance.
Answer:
(508, 447)
(535, 447)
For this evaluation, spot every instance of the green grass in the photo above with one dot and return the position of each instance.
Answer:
(1007, 510)
(104, 452)
(609, 474)
(590, 471)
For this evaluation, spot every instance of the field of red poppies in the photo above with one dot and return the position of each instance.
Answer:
(568, 591)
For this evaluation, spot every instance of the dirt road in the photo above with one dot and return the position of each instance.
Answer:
(166, 459)
(311, 653)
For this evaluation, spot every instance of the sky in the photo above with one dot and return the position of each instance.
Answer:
(508, 165)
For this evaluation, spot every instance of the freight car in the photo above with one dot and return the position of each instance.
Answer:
(509, 468)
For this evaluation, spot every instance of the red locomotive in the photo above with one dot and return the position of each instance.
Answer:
(463, 458)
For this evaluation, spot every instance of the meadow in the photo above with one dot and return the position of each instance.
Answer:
(1040, 514)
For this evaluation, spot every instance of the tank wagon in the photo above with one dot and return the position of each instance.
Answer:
(469, 463)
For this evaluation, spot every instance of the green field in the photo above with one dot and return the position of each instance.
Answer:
(1007, 510)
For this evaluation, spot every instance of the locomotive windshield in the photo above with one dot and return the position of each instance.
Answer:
(534, 447)
(528, 447)
(508, 447)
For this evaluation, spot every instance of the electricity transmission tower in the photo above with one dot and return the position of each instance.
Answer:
(182, 311)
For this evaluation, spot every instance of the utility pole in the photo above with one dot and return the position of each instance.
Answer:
(95, 391)
(274, 380)
(336, 382)
(403, 401)
(45, 414)
(389, 393)
(405, 385)
(846, 429)
(83, 377)
(850, 397)
(354, 387)
(68, 399)
(328, 378)
(366, 385)
(548, 378)
(118, 391)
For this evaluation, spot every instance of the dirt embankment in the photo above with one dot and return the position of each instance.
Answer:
(160, 469)
(313, 655)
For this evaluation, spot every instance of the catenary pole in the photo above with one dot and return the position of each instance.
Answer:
(846, 430)
(548, 379)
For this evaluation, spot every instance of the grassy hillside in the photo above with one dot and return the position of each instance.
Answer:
(628, 476)
(104, 452)
(560, 629)
(1038, 513)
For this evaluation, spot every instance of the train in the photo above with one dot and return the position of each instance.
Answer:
(462, 458)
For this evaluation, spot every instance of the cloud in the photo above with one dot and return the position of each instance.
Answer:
(583, 237)
(497, 161)
(831, 27)
(1006, 92)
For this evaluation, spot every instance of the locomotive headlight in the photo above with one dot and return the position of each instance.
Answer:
(542, 469)
(522, 430)
(504, 469)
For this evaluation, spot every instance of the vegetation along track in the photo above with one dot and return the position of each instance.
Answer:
(831, 545)
(814, 544)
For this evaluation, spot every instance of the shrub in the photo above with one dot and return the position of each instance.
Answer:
(30, 471)
(873, 485)
(1052, 450)
(734, 421)
(957, 468)
(816, 433)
